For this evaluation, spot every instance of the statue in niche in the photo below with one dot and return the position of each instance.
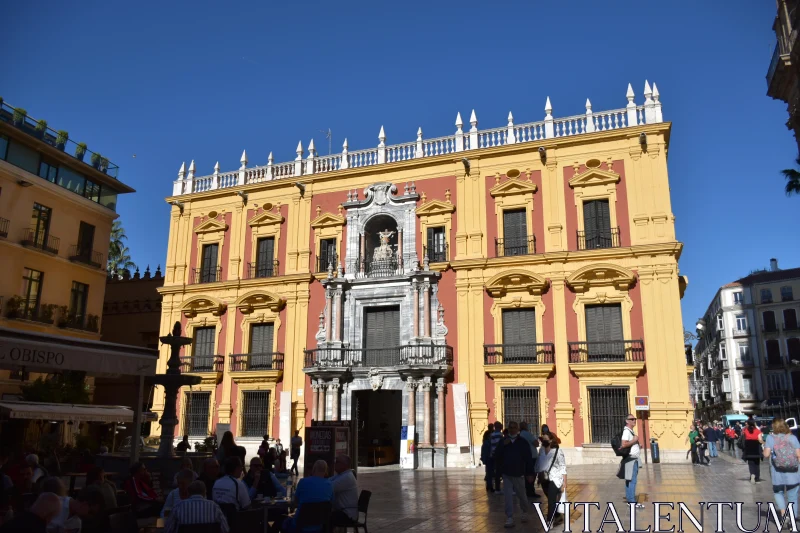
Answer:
(384, 251)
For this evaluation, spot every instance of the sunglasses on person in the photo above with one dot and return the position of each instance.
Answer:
(630, 418)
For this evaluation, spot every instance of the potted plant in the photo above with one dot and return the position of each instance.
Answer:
(62, 316)
(19, 116)
(61, 139)
(41, 127)
(95, 159)
(46, 313)
(13, 306)
(80, 150)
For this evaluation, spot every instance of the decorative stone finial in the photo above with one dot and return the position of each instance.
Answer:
(147, 272)
(382, 137)
(647, 92)
(447, 195)
(548, 108)
(158, 271)
(405, 189)
(413, 187)
(136, 274)
(243, 160)
(655, 92)
(629, 95)
(510, 119)
(423, 197)
(299, 149)
(473, 120)
(319, 210)
(182, 171)
(349, 196)
(270, 159)
(459, 122)
(191, 169)
(588, 105)
(419, 134)
(216, 168)
(344, 144)
(311, 147)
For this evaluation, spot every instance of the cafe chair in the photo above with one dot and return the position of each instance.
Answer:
(124, 523)
(316, 514)
(248, 521)
(200, 528)
(363, 506)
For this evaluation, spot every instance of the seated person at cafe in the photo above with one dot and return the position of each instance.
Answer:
(312, 489)
(186, 464)
(73, 511)
(23, 487)
(210, 475)
(185, 478)
(229, 491)
(196, 509)
(345, 492)
(42, 512)
(96, 483)
(144, 500)
(261, 481)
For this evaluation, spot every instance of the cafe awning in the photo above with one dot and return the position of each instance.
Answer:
(62, 412)
(39, 352)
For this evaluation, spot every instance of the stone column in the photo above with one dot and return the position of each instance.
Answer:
(362, 252)
(441, 441)
(323, 391)
(400, 249)
(328, 311)
(337, 330)
(426, 308)
(415, 304)
(314, 401)
(334, 387)
(411, 385)
(425, 439)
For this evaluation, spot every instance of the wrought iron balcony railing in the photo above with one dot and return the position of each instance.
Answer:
(262, 270)
(206, 275)
(375, 268)
(744, 363)
(790, 326)
(769, 328)
(606, 351)
(436, 253)
(518, 354)
(746, 396)
(604, 238)
(509, 247)
(201, 363)
(4, 227)
(326, 261)
(412, 354)
(244, 362)
(40, 240)
(741, 332)
(87, 257)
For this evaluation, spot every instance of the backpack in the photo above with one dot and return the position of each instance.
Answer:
(616, 445)
(783, 454)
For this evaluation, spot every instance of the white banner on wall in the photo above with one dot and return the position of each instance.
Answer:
(461, 414)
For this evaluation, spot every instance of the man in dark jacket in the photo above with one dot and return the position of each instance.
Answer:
(711, 437)
(46, 507)
(514, 461)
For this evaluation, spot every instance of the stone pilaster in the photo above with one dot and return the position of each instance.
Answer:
(425, 439)
(314, 401)
(323, 394)
(441, 440)
(334, 388)
(411, 386)
(564, 409)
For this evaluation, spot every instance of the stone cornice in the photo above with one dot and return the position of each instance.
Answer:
(201, 288)
(519, 371)
(607, 370)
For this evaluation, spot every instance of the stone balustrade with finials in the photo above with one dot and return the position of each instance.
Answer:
(473, 139)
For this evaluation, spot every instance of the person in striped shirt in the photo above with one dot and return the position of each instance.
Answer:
(196, 509)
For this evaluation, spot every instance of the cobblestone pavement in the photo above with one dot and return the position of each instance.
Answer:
(455, 500)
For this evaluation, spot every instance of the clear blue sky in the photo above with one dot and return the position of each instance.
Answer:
(204, 81)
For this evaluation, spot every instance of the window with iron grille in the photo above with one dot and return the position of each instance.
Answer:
(195, 419)
(521, 404)
(255, 413)
(608, 409)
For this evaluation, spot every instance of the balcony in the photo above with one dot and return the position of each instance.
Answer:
(606, 351)
(791, 326)
(4, 227)
(87, 257)
(744, 363)
(510, 247)
(376, 268)
(200, 364)
(438, 253)
(326, 261)
(35, 312)
(40, 240)
(205, 275)
(593, 240)
(84, 323)
(746, 396)
(779, 74)
(261, 270)
(741, 332)
(769, 328)
(518, 354)
(409, 355)
(254, 362)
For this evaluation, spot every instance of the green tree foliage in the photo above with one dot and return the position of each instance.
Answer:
(67, 387)
(792, 176)
(119, 258)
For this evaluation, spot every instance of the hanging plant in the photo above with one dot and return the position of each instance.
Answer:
(19, 116)
(80, 151)
(61, 139)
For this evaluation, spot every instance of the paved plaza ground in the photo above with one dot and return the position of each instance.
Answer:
(455, 500)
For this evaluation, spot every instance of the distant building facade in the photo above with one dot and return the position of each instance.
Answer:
(782, 76)
(132, 309)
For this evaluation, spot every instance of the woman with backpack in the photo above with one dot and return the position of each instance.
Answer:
(784, 449)
(751, 449)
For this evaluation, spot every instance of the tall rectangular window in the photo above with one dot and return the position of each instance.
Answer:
(85, 241)
(92, 191)
(48, 170)
(515, 233)
(195, 421)
(787, 294)
(261, 338)
(766, 296)
(774, 353)
(744, 352)
(608, 408)
(604, 338)
(265, 257)
(255, 413)
(789, 320)
(720, 323)
(327, 255)
(597, 231)
(741, 322)
(521, 404)
(3, 147)
(769, 321)
(519, 335)
(31, 292)
(436, 245)
(208, 268)
(726, 383)
(747, 384)
(738, 297)
(77, 302)
(723, 353)
(40, 224)
(203, 356)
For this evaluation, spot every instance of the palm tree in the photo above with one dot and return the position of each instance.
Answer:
(792, 179)
(119, 258)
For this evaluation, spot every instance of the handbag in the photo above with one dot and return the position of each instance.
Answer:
(546, 475)
(562, 503)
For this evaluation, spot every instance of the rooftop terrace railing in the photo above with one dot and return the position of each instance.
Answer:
(473, 139)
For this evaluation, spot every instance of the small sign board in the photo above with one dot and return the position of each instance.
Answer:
(325, 442)
(641, 403)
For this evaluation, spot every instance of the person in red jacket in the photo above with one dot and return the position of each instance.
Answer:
(144, 500)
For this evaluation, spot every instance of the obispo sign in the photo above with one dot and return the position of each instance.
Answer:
(23, 355)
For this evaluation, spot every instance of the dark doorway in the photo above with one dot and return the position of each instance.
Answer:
(379, 418)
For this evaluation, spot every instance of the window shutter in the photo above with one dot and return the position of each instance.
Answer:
(519, 326)
(594, 324)
(790, 319)
(793, 347)
(210, 258)
(589, 219)
(266, 254)
(603, 221)
(431, 242)
(204, 342)
(612, 316)
(514, 232)
(769, 320)
(261, 338)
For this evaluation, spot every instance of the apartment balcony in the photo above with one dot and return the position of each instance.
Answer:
(744, 363)
(41, 241)
(518, 354)
(780, 78)
(592, 240)
(86, 257)
(255, 362)
(205, 275)
(4, 223)
(741, 332)
(510, 247)
(262, 270)
(201, 364)
(326, 261)
(746, 397)
(407, 355)
(606, 351)
(437, 253)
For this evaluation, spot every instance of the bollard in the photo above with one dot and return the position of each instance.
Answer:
(654, 451)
